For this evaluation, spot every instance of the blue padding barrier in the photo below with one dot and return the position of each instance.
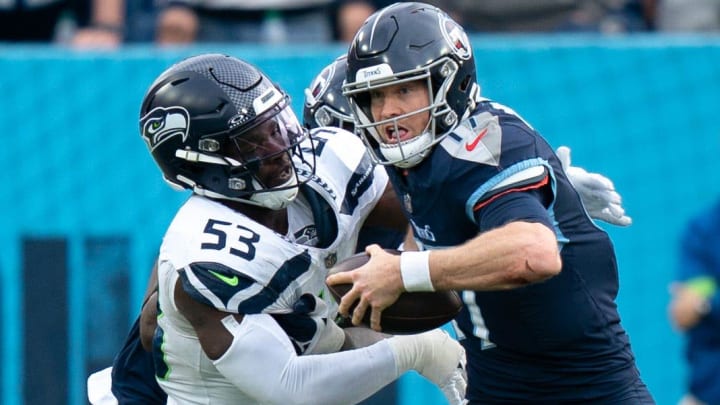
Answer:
(642, 110)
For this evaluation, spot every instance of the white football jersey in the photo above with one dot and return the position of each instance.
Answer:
(229, 261)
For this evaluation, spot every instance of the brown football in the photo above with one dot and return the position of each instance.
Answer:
(413, 312)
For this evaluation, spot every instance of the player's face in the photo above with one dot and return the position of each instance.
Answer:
(267, 145)
(399, 100)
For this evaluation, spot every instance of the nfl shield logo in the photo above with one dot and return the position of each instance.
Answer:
(330, 260)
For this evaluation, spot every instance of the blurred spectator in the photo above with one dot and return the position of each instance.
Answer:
(604, 16)
(37, 21)
(688, 15)
(84, 24)
(140, 21)
(351, 14)
(111, 23)
(695, 306)
(106, 26)
(255, 21)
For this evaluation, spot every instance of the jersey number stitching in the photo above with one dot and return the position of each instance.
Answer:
(244, 248)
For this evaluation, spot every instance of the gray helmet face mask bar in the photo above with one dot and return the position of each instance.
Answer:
(411, 152)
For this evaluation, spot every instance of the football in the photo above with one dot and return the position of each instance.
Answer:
(413, 312)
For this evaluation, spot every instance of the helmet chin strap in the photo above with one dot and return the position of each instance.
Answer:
(408, 153)
(411, 152)
(276, 200)
(273, 200)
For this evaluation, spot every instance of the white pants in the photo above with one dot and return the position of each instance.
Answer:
(99, 388)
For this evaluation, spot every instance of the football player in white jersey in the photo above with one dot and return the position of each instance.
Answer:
(244, 313)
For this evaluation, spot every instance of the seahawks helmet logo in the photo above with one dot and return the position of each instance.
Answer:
(162, 123)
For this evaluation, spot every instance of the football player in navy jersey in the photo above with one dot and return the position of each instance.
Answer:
(242, 266)
(326, 106)
(495, 216)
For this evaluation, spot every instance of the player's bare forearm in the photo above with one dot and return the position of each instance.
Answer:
(148, 311)
(148, 321)
(207, 322)
(511, 256)
(516, 254)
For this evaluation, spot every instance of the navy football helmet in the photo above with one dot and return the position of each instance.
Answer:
(409, 42)
(198, 118)
(325, 105)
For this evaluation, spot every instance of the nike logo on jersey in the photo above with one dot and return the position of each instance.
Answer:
(231, 281)
(470, 146)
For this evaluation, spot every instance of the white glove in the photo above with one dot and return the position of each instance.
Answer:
(437, 357)
(596, 191)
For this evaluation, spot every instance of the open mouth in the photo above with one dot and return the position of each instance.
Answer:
(396, 133)
(284, 174)
(278, 174)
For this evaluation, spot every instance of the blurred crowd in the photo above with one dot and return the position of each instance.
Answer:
(110, 23)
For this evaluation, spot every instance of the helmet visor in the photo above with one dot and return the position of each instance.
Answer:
(270, 152)
(276, 133)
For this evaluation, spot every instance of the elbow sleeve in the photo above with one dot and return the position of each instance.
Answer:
(262, 363)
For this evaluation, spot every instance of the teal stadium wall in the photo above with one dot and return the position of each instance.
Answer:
(84, 208)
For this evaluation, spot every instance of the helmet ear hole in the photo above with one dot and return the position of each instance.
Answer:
(465, 83)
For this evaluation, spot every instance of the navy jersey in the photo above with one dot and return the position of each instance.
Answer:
(550, 342)
(133, 375)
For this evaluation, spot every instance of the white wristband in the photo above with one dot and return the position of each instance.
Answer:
(415, 271)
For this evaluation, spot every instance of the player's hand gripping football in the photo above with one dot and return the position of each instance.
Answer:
(437, 357)
(376, 286)
(597, 192)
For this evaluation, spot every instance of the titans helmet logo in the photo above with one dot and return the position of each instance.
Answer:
(162, 123)
(320, 85)
(456, 38)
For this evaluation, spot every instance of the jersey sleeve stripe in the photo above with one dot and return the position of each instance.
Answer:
(544, 181)
(229, 290)
(520, 175)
